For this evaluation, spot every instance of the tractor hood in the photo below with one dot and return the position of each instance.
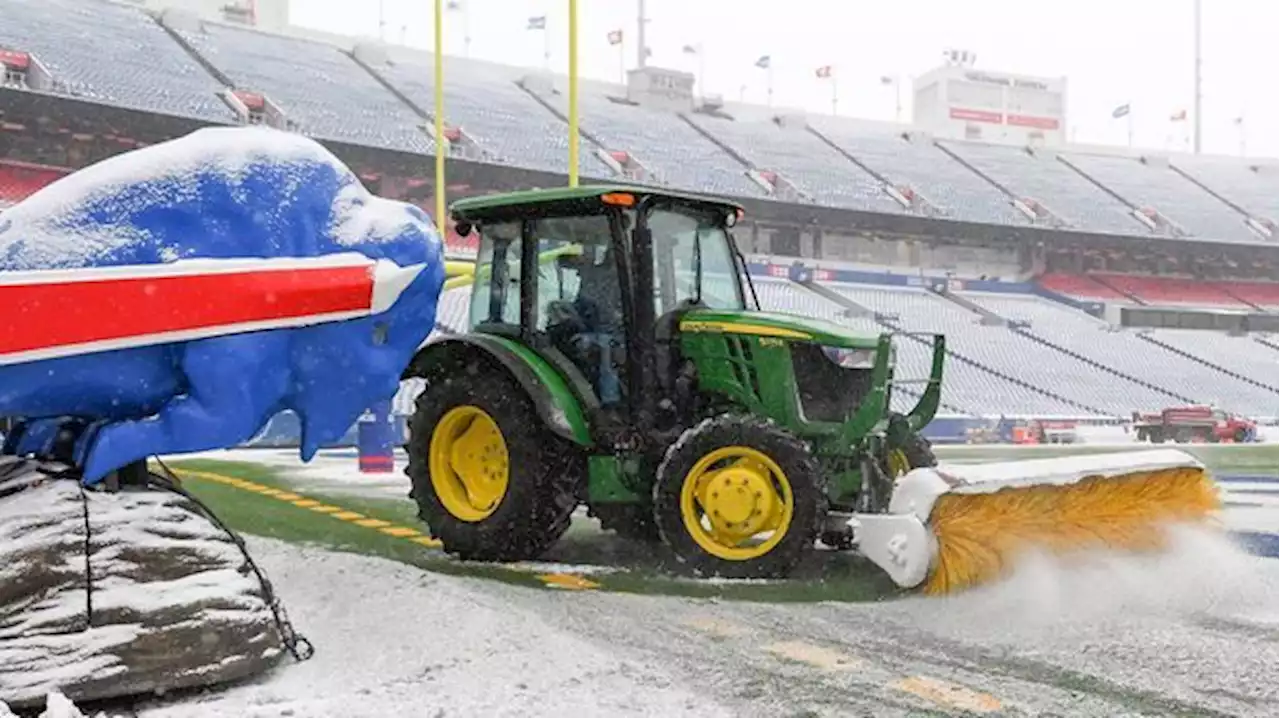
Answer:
(769, 324)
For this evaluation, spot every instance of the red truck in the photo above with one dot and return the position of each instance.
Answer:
(1193, 423)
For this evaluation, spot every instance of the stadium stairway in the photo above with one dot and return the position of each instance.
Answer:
(1227, 290)
(1201, 360)
(1269, 341)
(988, 316)
(852, 306)
(1121, 290)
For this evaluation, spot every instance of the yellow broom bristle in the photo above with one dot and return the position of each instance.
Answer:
(979, 535)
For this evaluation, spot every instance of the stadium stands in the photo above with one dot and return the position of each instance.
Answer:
(677, 154)
(1145, 185)
(1040, 177)
(1253, 187)
(946, 184)
(1080, 286)
(1168, 290)
(819, 173)
(1237, 354)
(19, 180)
(1113, 350)
(1263, 295)
(451, 310)
(485, 101)
(1021, 376)
(106, 52)
(318, 86)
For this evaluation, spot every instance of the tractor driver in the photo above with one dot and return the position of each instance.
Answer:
(598, 306)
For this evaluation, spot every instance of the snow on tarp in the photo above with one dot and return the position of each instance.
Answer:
(220, 193)
(164, 580)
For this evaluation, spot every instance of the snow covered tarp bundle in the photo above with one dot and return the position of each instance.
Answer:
(170, 300)
(182, 294)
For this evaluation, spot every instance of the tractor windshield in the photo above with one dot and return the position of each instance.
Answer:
(693, 260)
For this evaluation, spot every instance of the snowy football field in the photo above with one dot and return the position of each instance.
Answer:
(1195, 632)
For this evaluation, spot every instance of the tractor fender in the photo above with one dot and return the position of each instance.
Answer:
(553, 399)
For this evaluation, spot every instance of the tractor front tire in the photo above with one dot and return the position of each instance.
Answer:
(504, 487)
(712, 500)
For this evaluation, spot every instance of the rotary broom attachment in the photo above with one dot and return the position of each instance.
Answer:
(949, 528)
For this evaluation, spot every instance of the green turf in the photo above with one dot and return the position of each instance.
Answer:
(827, 576)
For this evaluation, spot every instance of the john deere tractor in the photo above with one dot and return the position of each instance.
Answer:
(616, 357)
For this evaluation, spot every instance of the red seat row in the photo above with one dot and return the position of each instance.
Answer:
(1107, 286)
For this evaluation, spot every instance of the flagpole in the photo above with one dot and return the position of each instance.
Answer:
(769, 79)
(622, 63)
(442, 222)
(1129, 117)
(573, 92)
(834, 95)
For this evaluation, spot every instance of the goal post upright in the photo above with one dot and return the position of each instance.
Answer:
(573, 93)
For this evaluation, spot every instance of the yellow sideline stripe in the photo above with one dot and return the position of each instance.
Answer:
(388, 528)
(357, 519)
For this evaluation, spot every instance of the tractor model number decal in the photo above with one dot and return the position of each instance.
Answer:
(734, 328)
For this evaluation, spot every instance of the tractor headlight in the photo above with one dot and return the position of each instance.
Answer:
(851, 358)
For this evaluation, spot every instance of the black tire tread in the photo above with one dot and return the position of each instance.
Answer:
(808, 486)
(542, 494)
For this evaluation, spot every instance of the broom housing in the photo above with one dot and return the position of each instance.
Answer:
(952, 527)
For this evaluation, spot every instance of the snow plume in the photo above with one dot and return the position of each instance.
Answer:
(1200, 572)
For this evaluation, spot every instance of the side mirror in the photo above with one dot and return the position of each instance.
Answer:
(462, 228)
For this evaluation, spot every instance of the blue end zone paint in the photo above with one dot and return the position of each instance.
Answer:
(1257, 543)
(1248, 479)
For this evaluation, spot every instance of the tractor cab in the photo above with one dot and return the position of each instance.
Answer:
(596, 280)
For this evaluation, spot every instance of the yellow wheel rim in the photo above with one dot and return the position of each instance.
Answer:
(736, 503)
(898, 463)
(470, 467)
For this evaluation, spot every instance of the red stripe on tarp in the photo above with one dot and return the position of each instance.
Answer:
(45, 315)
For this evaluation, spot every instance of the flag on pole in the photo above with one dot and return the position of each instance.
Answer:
(886, 80)
(1178, 116)
(1120, 111)
(823, 72)
(615, 37)
(689, 50)
(538, 23)
(764, 62)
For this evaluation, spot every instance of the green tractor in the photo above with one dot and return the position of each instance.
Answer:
(616, 357)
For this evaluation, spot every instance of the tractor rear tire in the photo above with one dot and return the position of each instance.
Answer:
(542, 470)
(747, 437)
